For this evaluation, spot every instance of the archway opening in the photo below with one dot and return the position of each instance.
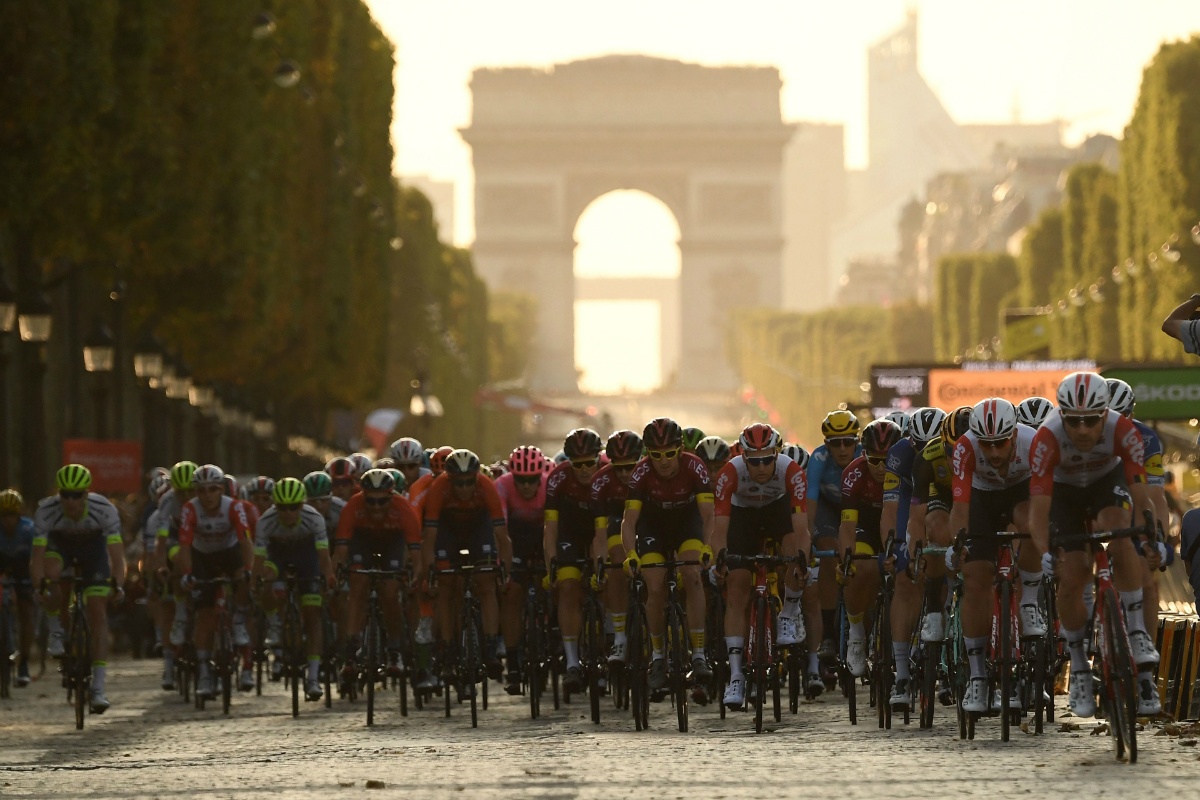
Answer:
(627, 265)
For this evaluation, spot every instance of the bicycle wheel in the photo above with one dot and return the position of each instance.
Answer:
(795, 678)
(933, 657)
(678, 660)
(532, 653)
(1004, 657)
(882, 664)
(226, 656)
(636, 660)
(6, 648)
(1120, 686)
(371, 663)
(591, 656)
(759, 661)
(81, 663)
(471, 664)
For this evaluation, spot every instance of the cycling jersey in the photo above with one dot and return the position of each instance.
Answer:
(149, 531)
(252, 515)
(1154, 455)
(933, 479)
(569, 502)
(972, 470)
(441, 505)
(609, 494)
(862, 504)
(398, 522)
(100, 522)
(333, 514)
(15, 551)
(898, 481)
(1055, 460)
(308, 530)
(524, 518)
(417, 492)
(214, 533)
(689, 485)
(825, 476)
(735, 487)
(166, 516)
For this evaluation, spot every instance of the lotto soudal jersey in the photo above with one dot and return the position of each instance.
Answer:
(690, 484)
(1054, 459)
(309, 529)
(973, 471)
(212, 533)
(100, 520)
(735, 487)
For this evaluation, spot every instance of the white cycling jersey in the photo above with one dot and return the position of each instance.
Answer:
(100, 518)
(969, 461)
(310, 528)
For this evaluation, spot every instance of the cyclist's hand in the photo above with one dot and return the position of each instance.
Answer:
(164, 575)
(844, 576)
(951, 559)
(1048, 564)
(716, 575)
(706, 555)
(887, 563)
(632, 563)
(546, 582)
(595, 582)
(1155, 554)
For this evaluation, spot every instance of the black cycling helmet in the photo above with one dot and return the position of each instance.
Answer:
(662, 432)
(623, 446)
(583, 443)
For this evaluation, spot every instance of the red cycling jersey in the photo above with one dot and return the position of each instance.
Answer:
(251, 514)
(689, 485)
(1054, 459)
(440, 498)
(862, 496)
(399, 520)
(608, 496)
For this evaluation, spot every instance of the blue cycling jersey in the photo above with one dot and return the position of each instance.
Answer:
(898, 483)
(825, 476)
(19, 546)
(1154, 462)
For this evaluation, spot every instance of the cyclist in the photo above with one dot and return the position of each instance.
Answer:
(1154, 553)
(344, 474)
(862, 493)
(1032, 411)
(924, 426)
(78, 526)
(292, 536)
(362, 462)
(463, 512)
(437, 465)
(258, 494)
(901, 418)
(416, 496)
(165, 522)
(522, 493)
(571, 538)
(714, 452)
(1086, 461)
(375, 522)
(214, 541)
(669, 510)
(16, 547)
(825, 466)
(933, 490)
(761, 498)
(408, 455)
(691, 439)
(991, 493)
(610, 489)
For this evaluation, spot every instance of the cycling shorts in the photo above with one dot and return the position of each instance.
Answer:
(474, 534)
(365, 546)
(301, 559)
(751, 528)
(90, 552)
(828, 519)
(867, 541)
(662, 534)
(527, 542)
(1072, 507)
(206, 566)
(992, 511)
(941, 498)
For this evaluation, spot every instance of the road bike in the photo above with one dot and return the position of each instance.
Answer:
(373, 661)
(465, 668)
(926, 669)
(678, 647)
(638, 652)
(8, 639)
(224, 651)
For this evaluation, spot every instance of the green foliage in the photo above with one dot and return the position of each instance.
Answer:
(1041, 258)
(512, 319)
(967, 310)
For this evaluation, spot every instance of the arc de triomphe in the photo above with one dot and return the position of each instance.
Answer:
(707, 141)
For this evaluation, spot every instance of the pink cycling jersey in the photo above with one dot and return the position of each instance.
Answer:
(518, 510)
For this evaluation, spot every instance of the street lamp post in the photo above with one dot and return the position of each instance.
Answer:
(148, 367)
(8, 320)
(34, 321)
(99, 353)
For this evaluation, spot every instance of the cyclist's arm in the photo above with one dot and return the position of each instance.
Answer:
(504, 545)
(800, 532)
(116, 561)
(633, 510)
(1173, 324)
(962, 465)
(37, 559)
(705, 503)
(550, 535)
(848, 529)
(720, 534)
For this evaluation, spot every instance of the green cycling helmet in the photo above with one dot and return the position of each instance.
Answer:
(181, 475)
(401, 481)
(318, 485)
(288, 492)
(691, 438)
(74, 478)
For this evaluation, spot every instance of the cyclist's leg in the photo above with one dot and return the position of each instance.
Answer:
(739, 585)
(393, 555)
(449, 593)
(652, 549)
(52, 601)
(860, 595)
(361, 551)
(979, 570)
(695, 601)
(826, 521)
(616, 590)
(568, 582)
(95, 567)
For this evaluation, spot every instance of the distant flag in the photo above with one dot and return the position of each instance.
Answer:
(379, 426)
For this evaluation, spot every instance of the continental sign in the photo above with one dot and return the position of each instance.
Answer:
(951, 388)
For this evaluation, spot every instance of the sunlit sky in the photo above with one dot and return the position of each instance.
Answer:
(1053, 59)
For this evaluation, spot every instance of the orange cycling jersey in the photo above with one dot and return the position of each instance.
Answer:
(440, 498)
(398, 519)
(417, 492)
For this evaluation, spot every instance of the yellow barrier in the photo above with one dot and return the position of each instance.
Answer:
(1179, 658)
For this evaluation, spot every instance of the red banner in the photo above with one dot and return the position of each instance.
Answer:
(116, 465)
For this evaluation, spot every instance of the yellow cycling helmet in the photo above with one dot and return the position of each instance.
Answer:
(840, 423)
(956, 423)
(11, 502)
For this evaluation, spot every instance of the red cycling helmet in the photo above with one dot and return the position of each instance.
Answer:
(437, 461)
(527, 460)
(260, 485)
(662, 432)
(342, 469)
(759, 436)
(583, 443)
(735, 449)
(879, 436)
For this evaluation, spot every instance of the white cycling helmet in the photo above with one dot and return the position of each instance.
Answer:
(1032, 411)
(994, 418)
(1120, 397)
(796, 453)
(362, 461)
(901, 418)
(407, 451)
(925, 424)
(1082, 393)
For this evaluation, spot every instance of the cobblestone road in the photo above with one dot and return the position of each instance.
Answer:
(152, 745)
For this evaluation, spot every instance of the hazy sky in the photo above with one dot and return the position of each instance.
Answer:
(1054, 59)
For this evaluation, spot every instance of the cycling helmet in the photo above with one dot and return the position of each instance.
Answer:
(426, 454)
(901, 418)
(11, 502)
(879, 436)
(956, 423)
(244, 492)
(994, 418)
(463, 462)
(691, 438)
(560, 457)
(550, 464)
(181, 475)
(1032, 411)
(840, 423)
(527, 460)
(713, 448)
(260, 485)
(1120, 397)
(342, 468)
(158, 484)
(662, 432)
(231, 486)
(735, 449)
(759, 436)
(208, 475)
(317, 485)
(384, 463)
(288, 491)
(377, 480)
(437, 461)
(583, 443)
(74, 478)
(1082, 393)
(924, 425)
(362, 461)
(399, 479)
(796, 453)
(623, 447)
(406, 451)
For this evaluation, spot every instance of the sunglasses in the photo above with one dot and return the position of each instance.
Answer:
(71, 495)
(585, 463)
(377, 501)
(842, 441)
(1090, 421)
(528, 480)
(625, 467)
(876, 461)
(214, 487)
(463, 483)
(658, 455)
(759, 461)
(994, 444)
(293, 506)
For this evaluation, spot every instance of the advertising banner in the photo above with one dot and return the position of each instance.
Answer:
(951, 388)
(1165, 393)
(900, 387)
(116, 465)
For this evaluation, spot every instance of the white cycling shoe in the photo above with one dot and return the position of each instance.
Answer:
(617, 654)
(274, 631)
(856, 657)
(975, 699)
(932, 629)
(735, 693)
(790, 630)
(901, 699)
(54, 644)
(178, 629)
(1148, 703)
(1082, 699)
(241, 636)
(99, 702)
(1142, 648)
(1033, 623)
